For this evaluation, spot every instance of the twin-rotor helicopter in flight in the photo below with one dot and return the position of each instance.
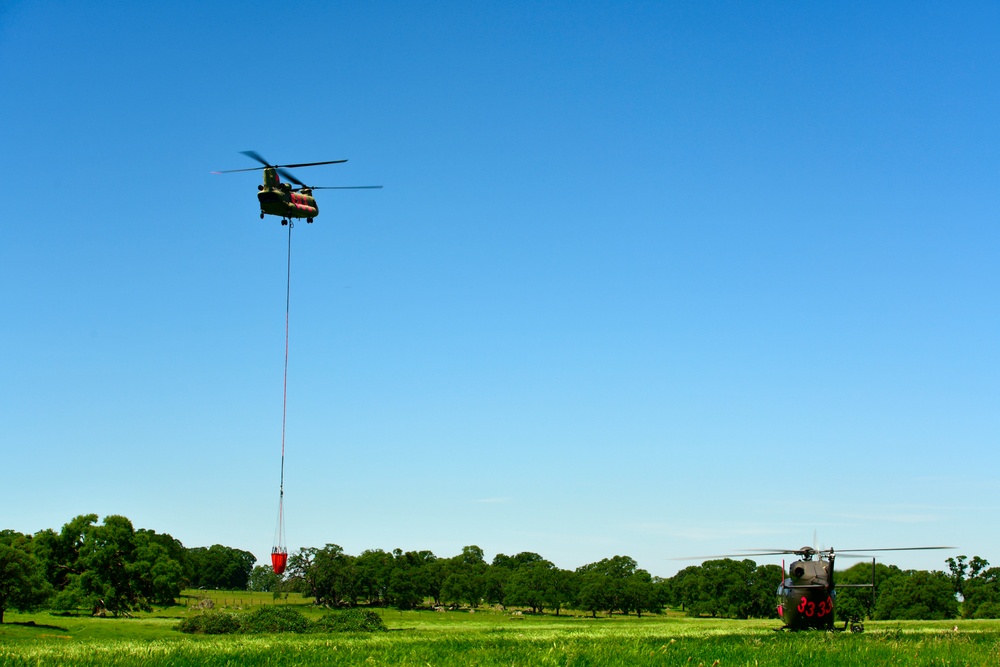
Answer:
(281, 198)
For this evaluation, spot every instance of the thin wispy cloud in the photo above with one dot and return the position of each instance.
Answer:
(894, 517)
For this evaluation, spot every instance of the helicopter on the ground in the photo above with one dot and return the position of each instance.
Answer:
(281, 199)
(807, 593)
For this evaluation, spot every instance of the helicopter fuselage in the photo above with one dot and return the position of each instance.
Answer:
(277, 198)
(806, 596)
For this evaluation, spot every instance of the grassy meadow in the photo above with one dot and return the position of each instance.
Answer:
(486, 637)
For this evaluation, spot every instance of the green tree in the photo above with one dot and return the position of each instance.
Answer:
(917, 595)
(374, 569)
(495, 584)
(961, 569)
(415, 575)
(980, 587)
(982, 595)
(219, 567)
(160, 575)
(724, 587)
(614, 584)
(263, 579)
(532, 585)
(762, 591)
(110, 579)
(499, 573)
(59, 554)
(22, 578)
(593, 592)
(300, 575)
(640, 594)
(335, 580)
(110, 566)
(562, 591)
(465, 578)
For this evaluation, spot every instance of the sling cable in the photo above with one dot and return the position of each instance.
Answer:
(279, 552)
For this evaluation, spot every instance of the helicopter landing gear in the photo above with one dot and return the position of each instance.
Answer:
(284, 222)
(309, 220)
(854, 625)
(262, 215)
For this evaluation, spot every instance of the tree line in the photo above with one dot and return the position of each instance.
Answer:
(411, 579)
(110, 567)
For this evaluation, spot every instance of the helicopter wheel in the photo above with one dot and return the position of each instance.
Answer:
(309, 220)
(262, 215)
(284, 222)
(857, 627)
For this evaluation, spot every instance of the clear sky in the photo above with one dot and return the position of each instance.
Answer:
(654, 279)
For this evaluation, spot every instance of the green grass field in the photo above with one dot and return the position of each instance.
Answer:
(487, 638)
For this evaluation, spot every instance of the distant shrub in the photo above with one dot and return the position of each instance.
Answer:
(351, 620)
(274, 618)
(211, 623)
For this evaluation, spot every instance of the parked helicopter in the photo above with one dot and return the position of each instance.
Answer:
(806, 595)
(281, 199)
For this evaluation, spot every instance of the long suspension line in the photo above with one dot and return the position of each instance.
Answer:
(279, 554)
(284, 392)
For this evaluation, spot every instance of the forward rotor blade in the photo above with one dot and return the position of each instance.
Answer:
(254, 155)
(347, 187)
(233, 171)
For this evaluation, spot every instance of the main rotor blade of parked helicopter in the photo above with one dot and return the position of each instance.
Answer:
(841, 551)
(715, 556)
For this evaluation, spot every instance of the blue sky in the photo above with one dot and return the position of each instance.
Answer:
(655, 279)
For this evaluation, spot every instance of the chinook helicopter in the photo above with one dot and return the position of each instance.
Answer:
(807, 593)
(281, 199)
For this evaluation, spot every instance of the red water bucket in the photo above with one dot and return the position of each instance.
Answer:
(279, 559)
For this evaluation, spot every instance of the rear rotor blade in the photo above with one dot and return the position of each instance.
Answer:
(288, 176)
(347, 187)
